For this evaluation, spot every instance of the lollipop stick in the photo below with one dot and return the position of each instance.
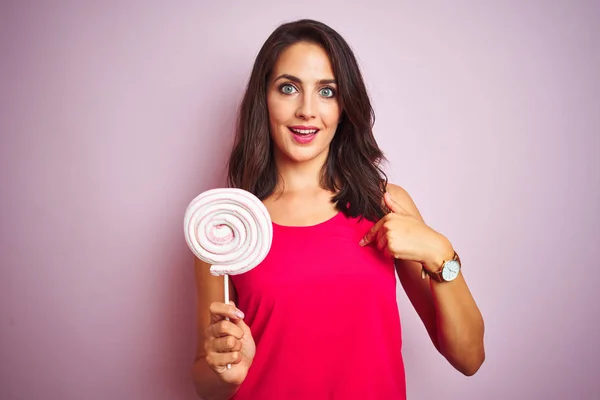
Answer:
(226, 282)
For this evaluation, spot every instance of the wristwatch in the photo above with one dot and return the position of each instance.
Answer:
(448, 271)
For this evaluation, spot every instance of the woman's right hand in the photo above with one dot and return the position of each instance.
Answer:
(229, 342)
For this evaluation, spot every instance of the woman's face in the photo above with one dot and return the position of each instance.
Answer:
(303, 104)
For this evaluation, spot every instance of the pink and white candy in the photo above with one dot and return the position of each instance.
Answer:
(228, 228)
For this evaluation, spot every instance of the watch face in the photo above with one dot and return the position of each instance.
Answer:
(450, 270)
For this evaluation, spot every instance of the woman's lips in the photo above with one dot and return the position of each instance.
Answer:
(303, 135)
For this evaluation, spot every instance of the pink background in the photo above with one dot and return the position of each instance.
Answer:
(114, 115)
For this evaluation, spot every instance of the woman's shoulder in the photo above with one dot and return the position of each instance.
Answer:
(396, 190)
(398, 193)
(402, 197)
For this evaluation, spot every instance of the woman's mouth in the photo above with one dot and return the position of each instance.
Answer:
(303, 135)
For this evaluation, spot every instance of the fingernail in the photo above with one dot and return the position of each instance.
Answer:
(362, 242)
(239, 314)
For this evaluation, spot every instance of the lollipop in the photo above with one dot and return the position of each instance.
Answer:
(230, 229)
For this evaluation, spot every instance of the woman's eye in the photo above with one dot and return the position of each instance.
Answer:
(327, 92)
(288, 89)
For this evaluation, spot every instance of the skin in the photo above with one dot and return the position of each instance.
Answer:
(448, 310)
(298, 199)
(302, 91)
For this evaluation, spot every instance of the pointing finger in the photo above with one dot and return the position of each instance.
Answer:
(368, 238)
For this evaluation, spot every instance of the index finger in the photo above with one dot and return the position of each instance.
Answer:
(368, 238)
(219, 311)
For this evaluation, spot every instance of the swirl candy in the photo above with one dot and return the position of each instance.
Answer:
(228, 228)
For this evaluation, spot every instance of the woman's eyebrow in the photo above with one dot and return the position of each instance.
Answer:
(299, 81)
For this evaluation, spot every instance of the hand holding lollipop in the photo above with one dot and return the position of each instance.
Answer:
(230, 229)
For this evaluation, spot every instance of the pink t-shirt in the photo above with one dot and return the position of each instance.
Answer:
(323, 313)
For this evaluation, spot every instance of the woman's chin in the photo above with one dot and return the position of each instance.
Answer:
(301, 156)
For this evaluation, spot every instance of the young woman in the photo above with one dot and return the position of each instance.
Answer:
(318, 318)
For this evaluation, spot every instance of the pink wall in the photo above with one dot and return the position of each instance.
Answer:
(114, 115)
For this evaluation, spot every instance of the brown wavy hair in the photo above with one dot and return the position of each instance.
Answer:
(352, 170)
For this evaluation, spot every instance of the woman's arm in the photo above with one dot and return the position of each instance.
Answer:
(447, 309)
(209, 289)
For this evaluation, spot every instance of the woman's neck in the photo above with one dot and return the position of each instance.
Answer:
(299, 177)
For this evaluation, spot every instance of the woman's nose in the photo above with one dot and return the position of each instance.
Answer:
(306, 108)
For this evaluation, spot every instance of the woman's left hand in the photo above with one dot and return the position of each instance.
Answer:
(402, 235)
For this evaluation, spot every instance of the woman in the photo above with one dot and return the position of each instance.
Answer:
(318, 318)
